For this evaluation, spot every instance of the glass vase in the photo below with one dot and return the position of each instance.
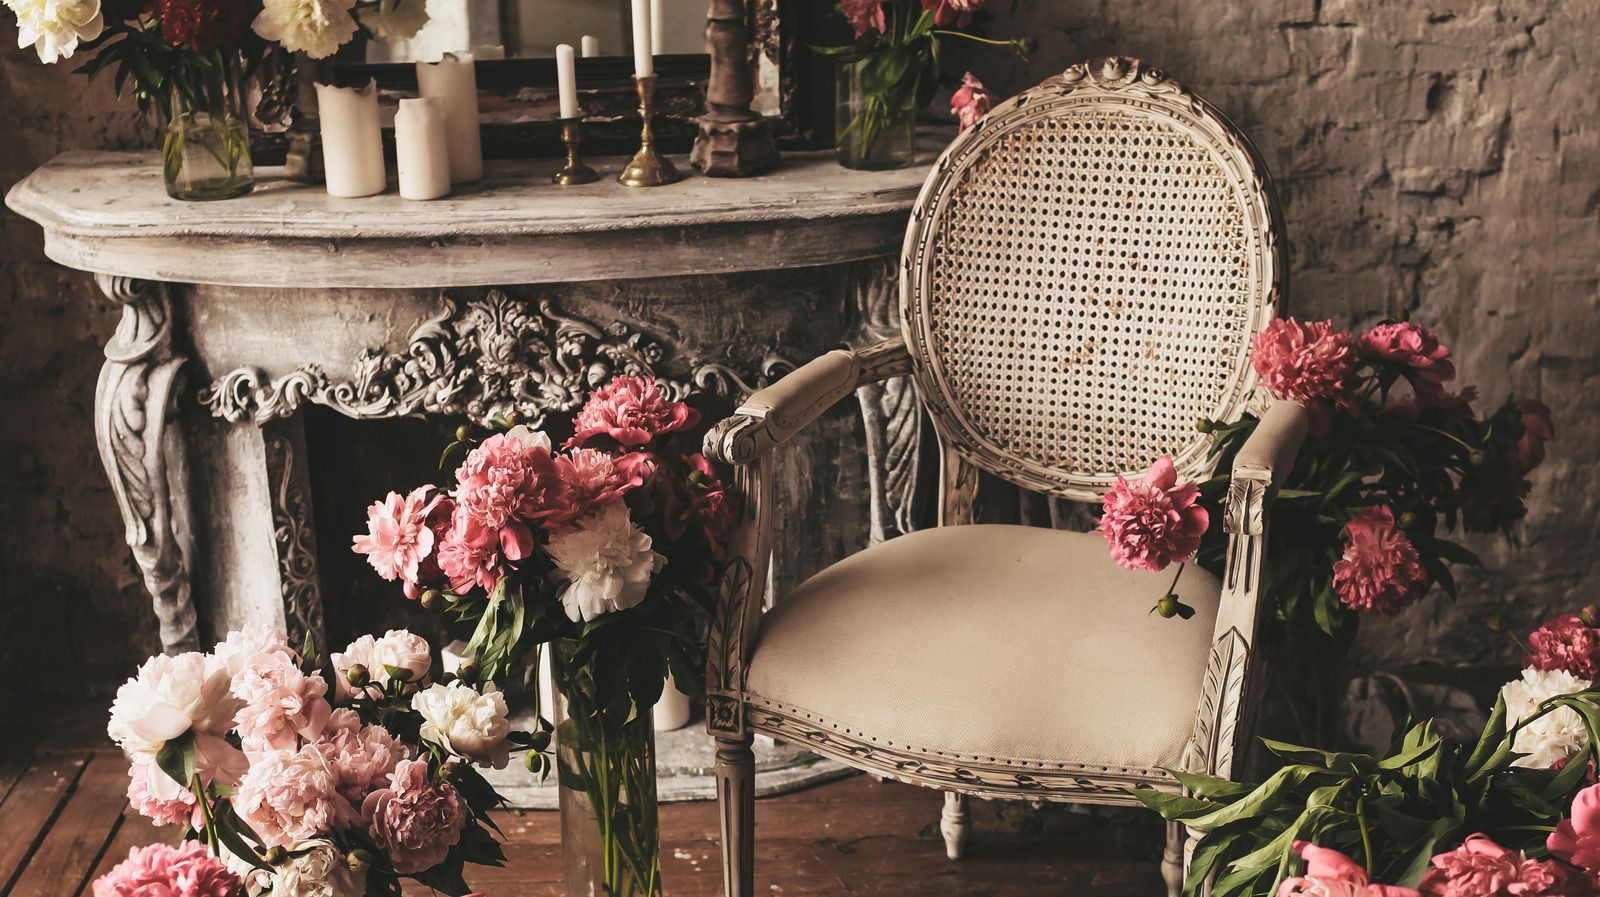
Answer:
(873, 132)
(607, 772)
(206, 151)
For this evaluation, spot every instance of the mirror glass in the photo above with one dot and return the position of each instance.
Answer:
(531, 29)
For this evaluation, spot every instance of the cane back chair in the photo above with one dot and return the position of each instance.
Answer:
(1082, 276)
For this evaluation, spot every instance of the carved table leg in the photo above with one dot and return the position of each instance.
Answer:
(955, 824)
(142, 450)
(736, 805)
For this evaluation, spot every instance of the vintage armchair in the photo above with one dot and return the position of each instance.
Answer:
(1082, 276)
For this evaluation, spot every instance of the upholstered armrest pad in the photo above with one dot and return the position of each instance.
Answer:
(1275, 442)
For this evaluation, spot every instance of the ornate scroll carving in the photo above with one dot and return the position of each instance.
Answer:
(296, 539)
(477, 357)
(142, 452)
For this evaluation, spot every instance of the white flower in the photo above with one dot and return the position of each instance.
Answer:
(315, 27)
(168, 697)
(395, 19)
(1556, 735)
(398, 649)
(318, 869)
(606, 563)
(257, 881)
(54, 27)
(464, 722)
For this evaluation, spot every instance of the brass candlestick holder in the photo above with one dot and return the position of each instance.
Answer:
(648, 167)
(574, 172)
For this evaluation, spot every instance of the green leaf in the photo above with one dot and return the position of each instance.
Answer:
(1209, 786)
(176, 759)
(1172, 806)
(1493, 733)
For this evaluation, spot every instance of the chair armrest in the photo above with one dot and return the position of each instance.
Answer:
(773, 414)
(1267, 456)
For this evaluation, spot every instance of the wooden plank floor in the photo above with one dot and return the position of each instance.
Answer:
(65, 821)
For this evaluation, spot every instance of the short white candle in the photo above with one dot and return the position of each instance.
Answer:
(643, 64)
(658, 28)
(672, 711)
(590, 45)
(352, 145)
(566, 81)
(453, 81)
(422, 151)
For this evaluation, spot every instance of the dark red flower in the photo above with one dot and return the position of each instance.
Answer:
(203, 25)
(953, 12)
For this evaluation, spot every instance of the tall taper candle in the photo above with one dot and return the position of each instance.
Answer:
(643, 65)
(454, 81)
(566, 81)
(422, 151)
(352, 145)
(590, 46)
(658, 28)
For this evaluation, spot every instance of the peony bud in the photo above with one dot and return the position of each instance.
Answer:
(467, 672)
(1494, 623)
(1167, 607)
(463, 433)
(1478, 458)
(1590, 615)
(449, 770)
(430, 599)
(358, 860)
(357, 675)
(1408, 519)
(275, 855)
(1204, 425)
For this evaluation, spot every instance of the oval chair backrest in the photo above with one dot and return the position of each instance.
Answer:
(1083, 273)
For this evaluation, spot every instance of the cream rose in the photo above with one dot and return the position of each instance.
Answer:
(465, 723)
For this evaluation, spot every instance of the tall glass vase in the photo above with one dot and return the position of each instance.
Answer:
(206, 151)
(873, 131)
(607, 769)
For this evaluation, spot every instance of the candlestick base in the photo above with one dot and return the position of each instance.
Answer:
(574, 172)
(649, 168)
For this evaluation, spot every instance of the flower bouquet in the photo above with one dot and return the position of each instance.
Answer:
(1394, 462)
(188, 58)
(605, 551)
(892, 68)
(299, 779)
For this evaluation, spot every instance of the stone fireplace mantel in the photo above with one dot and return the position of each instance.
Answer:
(512, 294)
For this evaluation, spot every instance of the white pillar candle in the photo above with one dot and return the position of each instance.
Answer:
(590, 45)
(658, 28)
(422, 152)
(643, 65)
(672, 711)
(352, 144)
(454, 82)
(566, 81)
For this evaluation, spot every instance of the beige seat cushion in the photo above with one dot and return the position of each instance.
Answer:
(1005, 642)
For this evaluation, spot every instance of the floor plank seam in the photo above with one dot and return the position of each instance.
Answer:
(44, 830)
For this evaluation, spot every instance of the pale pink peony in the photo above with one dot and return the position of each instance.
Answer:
(398, 537)
(1153, 522)
(1381, 571)
(1478, 868)
(970, 102)
(590, 481)
(160, 870)
(290, 796)
(363, 756)
(1304, 362)
(398, 652)
(1417, 349)
(1330, 873)
(282, 704)
(864, 15)
(243, 647)
(416, 820)
(171, 695)
(1565, 643)
(1577, 838)
(504, 483)
(958, 13)
(1537, 429)
(632, 411)
(179, 808)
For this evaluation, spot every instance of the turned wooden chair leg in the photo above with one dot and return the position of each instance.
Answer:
(736, 801)
(955, 823)
(1173, 865)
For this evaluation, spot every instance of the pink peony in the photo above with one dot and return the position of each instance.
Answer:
(1478, 868)
(1549, 878)
(398, 537)
(1537, 429)
(160, 870)
(416, 820)
(864, 15)
(1565, 643)
(1304, 362)
(290, 796)
(953, 12)
(362, 756)
(180, 808)
(507, 481)
(1577, 838)
(590, 481)
(632, 411)
(971, 101)
(470, 557)
(1381, 571)
(1330, 873)
(282, 705)
(243, 647)
(1427, 359)
(1151, 523)
(703, 497)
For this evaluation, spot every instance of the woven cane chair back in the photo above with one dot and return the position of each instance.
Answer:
(1083, 274)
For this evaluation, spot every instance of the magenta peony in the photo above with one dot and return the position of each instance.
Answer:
(470, 557)
(1537, 429)
(1565, 643)
(180, 808)
(970, 102)
(282, 704)
(1153, 522)
(1427, 359)
(1330, 873)
(290, 796)
(1577, 838)
(1482, 868)
(1304, 362)
(398, 537)
(416, 820)
(590, 481)
(864, 15)
(163, 871)
(1381, 571)
(632, 412)
(362, 756)
(506, 482)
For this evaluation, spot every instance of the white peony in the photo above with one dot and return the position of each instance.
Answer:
(168, 697)
(606, 563)
(395, 19)
(54, 27)
(314, 27)
(317, 868)
(398, 649)
(464, 722)
(1556, 735)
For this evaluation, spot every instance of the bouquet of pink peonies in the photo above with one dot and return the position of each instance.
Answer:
(307, 779)
(605, 550)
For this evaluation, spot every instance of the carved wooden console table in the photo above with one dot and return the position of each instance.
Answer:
(513, 294)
